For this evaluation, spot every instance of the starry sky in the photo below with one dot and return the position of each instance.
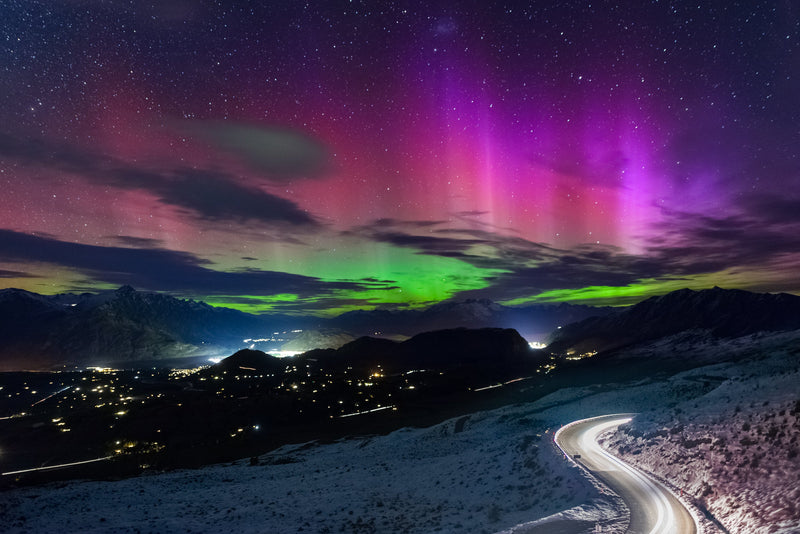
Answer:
(315, 158)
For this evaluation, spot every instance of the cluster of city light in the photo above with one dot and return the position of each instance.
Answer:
(60, 424)
(253, 341)
(347, 392)
(571, 355)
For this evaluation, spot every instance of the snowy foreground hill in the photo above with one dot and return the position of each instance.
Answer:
(730, 434)
(726, 433)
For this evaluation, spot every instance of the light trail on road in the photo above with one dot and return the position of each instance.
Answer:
(59, 466)
(654, 508)
(51, 395)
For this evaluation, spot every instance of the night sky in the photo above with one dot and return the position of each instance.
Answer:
(318, 158)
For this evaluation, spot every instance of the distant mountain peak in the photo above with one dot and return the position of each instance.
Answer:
(247, 361)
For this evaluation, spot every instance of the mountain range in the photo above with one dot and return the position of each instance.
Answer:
(125, 326)
(484, 351)
(39, 331)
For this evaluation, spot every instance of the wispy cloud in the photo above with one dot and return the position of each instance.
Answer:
(210, 196)
(15, 274)
(213, 196)
(763, 230)
(279, 154)
(165, 270)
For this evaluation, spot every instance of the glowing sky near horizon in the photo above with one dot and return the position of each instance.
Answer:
(322, 157)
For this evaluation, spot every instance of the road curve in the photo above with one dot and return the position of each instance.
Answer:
(654, 509)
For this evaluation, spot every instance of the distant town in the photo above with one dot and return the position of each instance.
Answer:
(140, 417)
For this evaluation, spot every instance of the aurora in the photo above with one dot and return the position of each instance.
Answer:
(322, 158)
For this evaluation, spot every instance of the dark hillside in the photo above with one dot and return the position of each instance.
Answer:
(724, 313)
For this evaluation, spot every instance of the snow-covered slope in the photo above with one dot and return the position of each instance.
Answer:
(726, 433)
(725, 313)
(479, 473)
(729, 436)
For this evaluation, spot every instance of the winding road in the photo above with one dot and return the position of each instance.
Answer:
(654, 509)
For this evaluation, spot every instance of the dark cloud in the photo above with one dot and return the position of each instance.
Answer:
(325, 304)
(15, 274)
(687, 244)
(757, 235)
(373, 280)
(508, 247)
(522, 267)
(281, 154)
(427, 244)
(33, 151)
(574, 268)
(394, 223)
(136, 242)
(773, 209)
(471, 213)
(760, 230)
(455, 243)
(376, 283)
(214, 197)
(161, 270)
(207, 195)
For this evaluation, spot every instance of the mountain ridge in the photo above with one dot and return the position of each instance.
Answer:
(724, 313)
(124, 326)
(494, 350)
